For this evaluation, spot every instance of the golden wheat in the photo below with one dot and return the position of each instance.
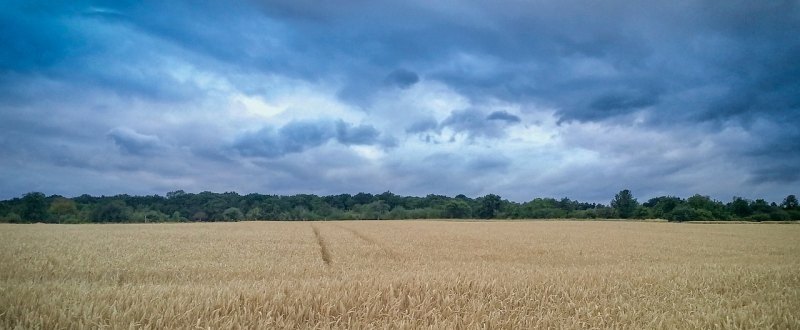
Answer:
(410, 274)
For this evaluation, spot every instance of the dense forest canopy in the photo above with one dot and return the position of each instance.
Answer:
(179, 206)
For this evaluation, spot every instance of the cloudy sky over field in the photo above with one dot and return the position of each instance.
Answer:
(520, 98)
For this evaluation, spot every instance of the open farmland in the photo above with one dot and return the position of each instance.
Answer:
(401, 274)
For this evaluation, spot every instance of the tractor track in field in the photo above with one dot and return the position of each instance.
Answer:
(325, 254)
(371, 241)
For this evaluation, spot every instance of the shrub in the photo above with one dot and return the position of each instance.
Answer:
(685, 213)
(759, 217)
(779, 215)
(11, 218)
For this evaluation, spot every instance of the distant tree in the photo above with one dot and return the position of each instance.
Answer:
(566, 204)
(398, 212)
(342, 201)
(624, 204)
(63, 208)
(687, 213)
(789, 203)
(34, 207)
(200, 216)
(489, 206)
(111, 211)
(740, 207)
(175, 194)
(390, 199)
(177, 217)
(457, 208)
(760, 206)
(374, 210)
(661, 206)
(254, 214)
(147, 215)
(363, 198)
(233, 214)
(700, 202)
(11, 218)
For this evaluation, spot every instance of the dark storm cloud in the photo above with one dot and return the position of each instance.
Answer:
(476, 123)
(423, 125)
(133, 142)
(358, 135)
(299, 136)
(402, 78)
(504, 116)
(704, 67)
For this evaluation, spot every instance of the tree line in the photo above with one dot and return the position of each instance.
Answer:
(179, 206)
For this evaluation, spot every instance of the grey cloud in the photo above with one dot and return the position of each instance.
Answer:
(504, 116)
(270, 143)
(687, 66)
(619, 101)
(402, 78)
(476, 123)
(471, 121)
(524, 57)
(489, 163)
(299, 136)
(363, 134)
(451, 173)
(423, 125)
(609, 104)
(132, 142)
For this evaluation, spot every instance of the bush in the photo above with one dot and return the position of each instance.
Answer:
(584, 214)
(685, 213)
(759, 217)
(11, 218)
(779, 215)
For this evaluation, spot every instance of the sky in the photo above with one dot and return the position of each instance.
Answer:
(524, 99)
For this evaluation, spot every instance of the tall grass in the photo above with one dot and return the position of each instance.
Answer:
(421, 274)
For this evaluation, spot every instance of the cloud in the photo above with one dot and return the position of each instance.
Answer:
(504, 116)
(423, 125)
(663, 97)
(356, 135)
(299, 136)
(402, 78)
(476, 123)
(133, 142)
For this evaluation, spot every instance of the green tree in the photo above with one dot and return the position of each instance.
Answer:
(34, 207)
(741, 207)
(374, 210)
(760, 206)
(489, 206)
(254, 214)
(177, 217)
(789, 203)
(175, 194)
(11, 218)
(200, 216)
(233, 214)
(661, 206)
(686, 213)
(111, 211)
(456, 209)
(63, 208)
(624, 204)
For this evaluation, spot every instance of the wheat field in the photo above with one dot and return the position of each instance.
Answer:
(401, 274)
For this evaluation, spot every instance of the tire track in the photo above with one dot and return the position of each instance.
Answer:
(371, 241)
(323, 247)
